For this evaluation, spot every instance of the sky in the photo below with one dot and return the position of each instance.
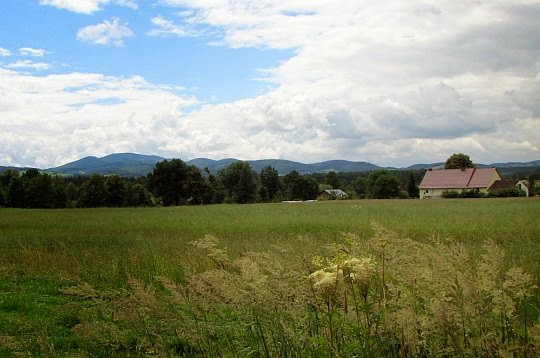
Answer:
(389, 82)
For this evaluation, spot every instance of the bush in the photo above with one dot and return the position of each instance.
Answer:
(452, 194)
(471, 194)
(403, 194)
(2, 198)
(506, 193)
(449, 194)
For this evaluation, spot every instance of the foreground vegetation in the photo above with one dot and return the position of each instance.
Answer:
(346, 278)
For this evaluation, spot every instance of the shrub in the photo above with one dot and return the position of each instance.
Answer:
(403, 194)
(473, 193)
(506, 193)
(450, 194)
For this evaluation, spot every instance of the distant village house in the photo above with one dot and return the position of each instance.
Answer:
(332, 194)
(509, 184)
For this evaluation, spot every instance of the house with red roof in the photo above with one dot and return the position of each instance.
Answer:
(437, 181)
(510, 184)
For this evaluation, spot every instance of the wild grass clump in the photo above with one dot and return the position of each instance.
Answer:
(385, 296)
(423, 299)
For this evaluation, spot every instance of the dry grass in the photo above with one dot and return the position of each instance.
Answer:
(386, 296)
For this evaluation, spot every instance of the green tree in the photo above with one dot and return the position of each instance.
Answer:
(210, 194)
(300, 187)
(270, 183)
(59, 192)
(71, 194)
(31, 174)
(38, 190)
(458, 161)
(382, 184)
(15, 191)
(331, 178)
(92, 193)
(412, 188)
(195, 185)
(3, 196)
(360, 187)
(5, 181)
(137, 195)
(169, 182)
(533, 188)
(115, 190)
(240, 182)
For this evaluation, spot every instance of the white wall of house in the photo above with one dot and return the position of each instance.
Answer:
(437, 193)
(521, 185)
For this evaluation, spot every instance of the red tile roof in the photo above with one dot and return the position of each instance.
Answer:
(504, 184)
(481, 178)
(457, 178)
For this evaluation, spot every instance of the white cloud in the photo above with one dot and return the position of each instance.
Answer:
(4, 52)
(54, 119)
(29, 65)
(78, 6)
(164, 27)
(264, 23)
(87, 6)
(110, 33)
(33, 52)
(132, 4)
(390, 82)
(386, 81)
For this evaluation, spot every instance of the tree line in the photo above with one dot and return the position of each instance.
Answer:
(173, 182)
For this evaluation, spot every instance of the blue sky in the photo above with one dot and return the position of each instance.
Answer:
(211, 72)
(390, 82)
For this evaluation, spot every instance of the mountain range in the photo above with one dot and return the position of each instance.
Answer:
(135, 165)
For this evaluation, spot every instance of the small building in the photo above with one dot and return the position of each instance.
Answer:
(438, 181)
(509, 184)
(332, 194)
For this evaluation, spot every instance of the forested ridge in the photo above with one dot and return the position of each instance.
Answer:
(175, 182)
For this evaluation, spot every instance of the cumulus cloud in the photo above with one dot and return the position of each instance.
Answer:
(386, 81)
(50, 120)
(79, 6)
(87, 6)
(164, 27)
(29, 65)
(390, 82)
(4, 52)
(33, 52)
(110, 33)
(132, 4)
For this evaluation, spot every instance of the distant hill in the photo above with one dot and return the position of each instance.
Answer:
(534, 163)
(129, 164)
(286, 166)
(212, 165)
(425, 166)
(123, 164)
(135, 165)
(4, 168)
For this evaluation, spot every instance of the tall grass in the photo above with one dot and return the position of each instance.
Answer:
(347, 278)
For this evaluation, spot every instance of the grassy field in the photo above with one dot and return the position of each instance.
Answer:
(344, 278)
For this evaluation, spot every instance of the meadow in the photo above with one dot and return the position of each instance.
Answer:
(341, 278)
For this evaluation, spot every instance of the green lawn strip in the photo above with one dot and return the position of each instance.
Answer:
(33, 311)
